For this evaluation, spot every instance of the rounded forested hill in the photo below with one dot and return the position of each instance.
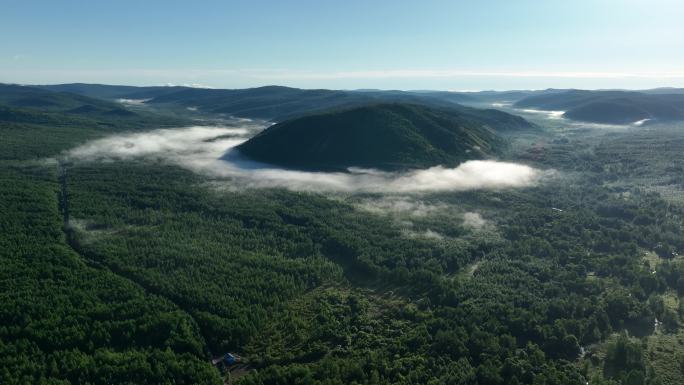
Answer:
(610, 107)
(384, 136)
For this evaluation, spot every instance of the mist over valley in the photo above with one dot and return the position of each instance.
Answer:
(342, 192)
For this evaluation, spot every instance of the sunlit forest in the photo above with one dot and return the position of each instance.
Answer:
(142, 270)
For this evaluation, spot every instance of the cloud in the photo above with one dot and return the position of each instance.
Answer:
(189, 85)
(549, 114)
(401, 205)
(427, 234)
(559, 115)
(474, 174)
(473, 220)
(132, 102)
(178, 145)
(406, 209)
(203, 150)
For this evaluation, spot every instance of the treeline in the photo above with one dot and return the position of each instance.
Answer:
(165, 269)
(62, 322)
(556, 282)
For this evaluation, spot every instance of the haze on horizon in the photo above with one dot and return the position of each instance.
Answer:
(491, 44)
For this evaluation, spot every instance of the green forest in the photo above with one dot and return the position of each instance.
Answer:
(383, 136)
(142, 271)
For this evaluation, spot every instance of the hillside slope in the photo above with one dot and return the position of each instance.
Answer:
(383, 136)
(28, 104)
(36, 123)
(106, 91)
(611, 107)
(31, 97)
(280, 103)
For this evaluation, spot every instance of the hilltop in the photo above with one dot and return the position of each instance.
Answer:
(385, 136)
(610, 107)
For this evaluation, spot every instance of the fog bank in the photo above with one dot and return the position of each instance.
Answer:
(203, 150)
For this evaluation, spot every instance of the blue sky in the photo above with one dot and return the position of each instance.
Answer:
(427, 44)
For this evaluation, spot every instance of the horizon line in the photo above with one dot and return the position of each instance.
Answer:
(460, 91)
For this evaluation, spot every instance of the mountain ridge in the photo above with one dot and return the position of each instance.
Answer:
(386, 136)
(610, 107)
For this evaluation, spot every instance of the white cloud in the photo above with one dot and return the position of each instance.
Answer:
(549, 114)
(133, 102)
(189, 85)
(473, 220)
(427, 234)
(202, 150)
(401, 205)
(474, 174)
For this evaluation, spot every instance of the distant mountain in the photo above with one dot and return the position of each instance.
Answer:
(610, 107)
(279, 103)
(448, 96)
(511, 96)
(664, 90)
(32, 105)
(569, 99)
(112, 92)
(272, 102)
(384, 136)
(24, 116)
(498, 120)
(49, 101)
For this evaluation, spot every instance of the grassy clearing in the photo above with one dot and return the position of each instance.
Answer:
(666, 353)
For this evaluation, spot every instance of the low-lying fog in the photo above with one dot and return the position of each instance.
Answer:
(549, 115)
(208, 151)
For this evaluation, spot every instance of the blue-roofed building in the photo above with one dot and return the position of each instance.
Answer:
(229, 359)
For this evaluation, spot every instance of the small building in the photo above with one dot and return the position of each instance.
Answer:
(227, 359)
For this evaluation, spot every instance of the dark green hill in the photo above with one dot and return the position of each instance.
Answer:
(36, 123)
(279, 103)
(612, 107)
(106, 91)
(28, 104)
(49, 101)
(20, 115)
(499, 120)
(269, 102)
(383, 136)
(612, 111)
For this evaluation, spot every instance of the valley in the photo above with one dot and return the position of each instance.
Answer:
(173, 255)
